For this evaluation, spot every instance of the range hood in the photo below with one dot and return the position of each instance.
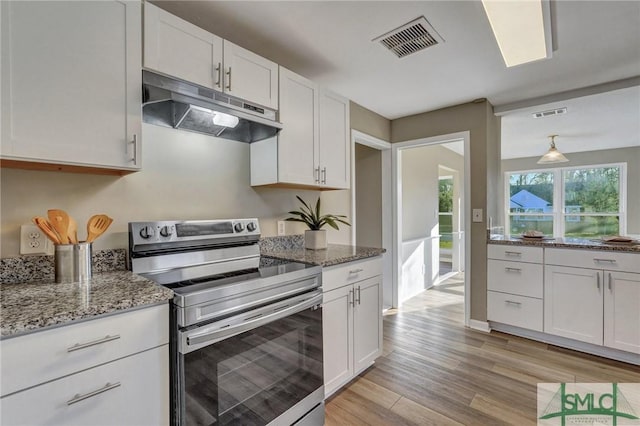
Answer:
(175, 103)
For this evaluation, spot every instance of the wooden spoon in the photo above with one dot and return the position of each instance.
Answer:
(73, 231)
(97, 225)
(46, 227)
(60, 221)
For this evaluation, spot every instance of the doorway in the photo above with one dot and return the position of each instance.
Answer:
(417, 168)
(371, 202)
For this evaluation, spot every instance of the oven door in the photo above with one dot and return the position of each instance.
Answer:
(260, 367)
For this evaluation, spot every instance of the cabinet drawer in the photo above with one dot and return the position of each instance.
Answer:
(609, 260)
(515, 253)
(47, 355)
(131, 391)
(525, 312)
(524, 279)
(339, 275)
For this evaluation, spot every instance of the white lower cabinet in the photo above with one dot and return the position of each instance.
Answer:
(129, 391)
(573, 303)
(515, 286)
(590, 296)
(111, 370)
(352, 322)
(622, 311)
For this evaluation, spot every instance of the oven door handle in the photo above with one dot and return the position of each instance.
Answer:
(196, 339)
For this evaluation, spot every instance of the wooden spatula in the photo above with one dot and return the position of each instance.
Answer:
(72, 232)
(96, 226)
(46, 227)
(60, 222)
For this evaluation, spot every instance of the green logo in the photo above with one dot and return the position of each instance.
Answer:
(583, 405)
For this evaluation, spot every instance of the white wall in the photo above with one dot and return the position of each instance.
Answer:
(185, 176)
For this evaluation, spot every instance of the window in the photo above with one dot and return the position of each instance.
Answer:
(445, 211)
(591, 199)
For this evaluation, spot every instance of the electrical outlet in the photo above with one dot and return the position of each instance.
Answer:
(281, 228)
(34, 241)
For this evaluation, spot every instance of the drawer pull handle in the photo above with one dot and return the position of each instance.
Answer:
(355, 271)
(105, 339)
(604, 260)
(77, 397)
(511, 302)
(513, 270)
(513, 253)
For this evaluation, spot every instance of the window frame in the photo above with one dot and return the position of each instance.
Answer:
(558, 212)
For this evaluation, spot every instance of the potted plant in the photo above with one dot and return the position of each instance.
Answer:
(315, 237)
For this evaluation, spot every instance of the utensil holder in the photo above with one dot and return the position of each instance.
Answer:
(72, 262)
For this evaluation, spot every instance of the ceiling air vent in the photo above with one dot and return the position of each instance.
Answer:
(550, 112)
(410, 38)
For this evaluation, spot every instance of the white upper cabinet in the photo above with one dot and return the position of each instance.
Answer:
(297, 141)
(180, 49)
(334, 144)
(313, 148)
(249, 76)
(71, 83)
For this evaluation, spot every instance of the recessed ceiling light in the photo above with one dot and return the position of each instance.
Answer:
(522, 29)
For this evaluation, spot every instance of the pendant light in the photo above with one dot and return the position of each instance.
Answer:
(553, 155)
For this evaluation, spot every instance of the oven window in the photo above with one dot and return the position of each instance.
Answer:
(254, 377)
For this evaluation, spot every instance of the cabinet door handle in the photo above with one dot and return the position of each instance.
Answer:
(513, 253)
(134, 159)
(229, 79)
(355, 271)
(77, 397)
(511, 302)
(324, 175)
(218, 74)
(604, 260)
(610, 282)
(358, 299)
(316, 173)
(352, 298)
(598, 280)
(105, 339)
(513, 270)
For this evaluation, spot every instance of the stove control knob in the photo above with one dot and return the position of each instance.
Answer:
(146, 232)
(251, 226)
(166, 231)
(238, 227)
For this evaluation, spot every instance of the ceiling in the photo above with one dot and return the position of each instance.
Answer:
(330, 42)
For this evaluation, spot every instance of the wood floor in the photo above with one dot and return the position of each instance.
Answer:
(434, 371)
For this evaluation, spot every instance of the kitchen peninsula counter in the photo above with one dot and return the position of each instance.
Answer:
(334, 254)
(568, 243)
(33, 306)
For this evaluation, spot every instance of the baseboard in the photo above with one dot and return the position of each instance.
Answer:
(563, 342)
(479, 325)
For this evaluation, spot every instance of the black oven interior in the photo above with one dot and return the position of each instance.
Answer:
(254, 377)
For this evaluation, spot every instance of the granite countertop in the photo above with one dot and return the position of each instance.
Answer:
(334, 254)
(565, 243)
(28, 307)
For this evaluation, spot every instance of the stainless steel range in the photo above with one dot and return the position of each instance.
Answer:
(246, 330)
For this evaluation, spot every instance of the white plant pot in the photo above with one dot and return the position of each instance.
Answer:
(315, 240)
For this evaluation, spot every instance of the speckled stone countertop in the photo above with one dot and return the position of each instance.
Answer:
(334, 254)
(28, 307)
(577, 243)
(30, 299)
